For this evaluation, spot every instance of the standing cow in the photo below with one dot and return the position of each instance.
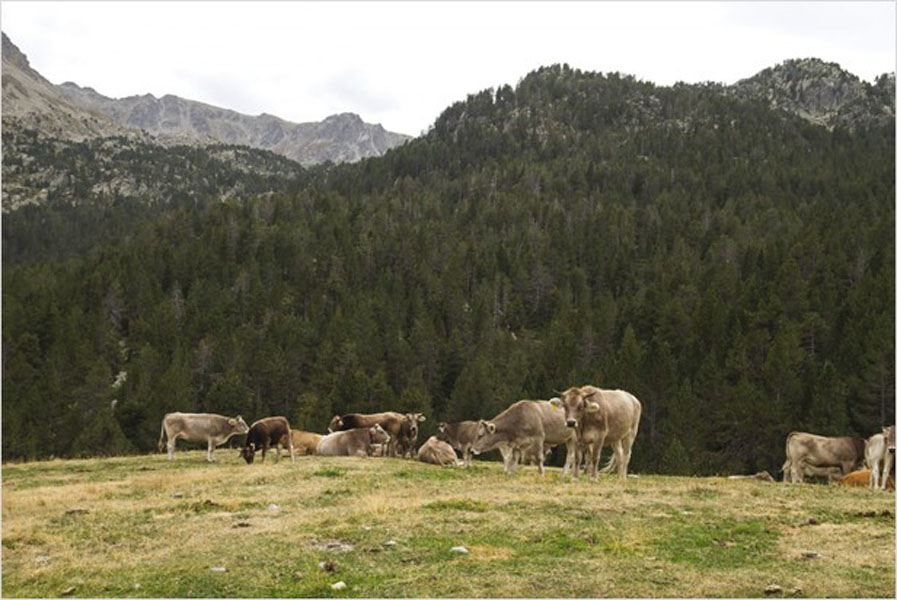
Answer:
(459, 436)
(601, 417)
(879, 457)
(264, 433)
(408, 431)
(810, 453)
(525, 425)
(200, 427)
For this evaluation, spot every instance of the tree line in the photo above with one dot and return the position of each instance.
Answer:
(731, 266)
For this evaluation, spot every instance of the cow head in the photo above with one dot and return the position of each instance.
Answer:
(577, 403)
(248, 453)
(889, 438)
(336, 424)
(485, 439)
(442, 432)
(378, 435)
(239, 425)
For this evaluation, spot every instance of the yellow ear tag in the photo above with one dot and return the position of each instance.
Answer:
(554, 406)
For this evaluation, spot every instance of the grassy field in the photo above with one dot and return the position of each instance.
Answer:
(144, 527)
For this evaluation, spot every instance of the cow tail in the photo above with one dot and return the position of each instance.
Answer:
(161, 446)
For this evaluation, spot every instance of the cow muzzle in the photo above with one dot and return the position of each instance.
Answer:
(571, 422)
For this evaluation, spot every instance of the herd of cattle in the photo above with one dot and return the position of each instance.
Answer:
(584, 419)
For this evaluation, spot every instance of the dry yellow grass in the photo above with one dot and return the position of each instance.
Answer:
(154, 528)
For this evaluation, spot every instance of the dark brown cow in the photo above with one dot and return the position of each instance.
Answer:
(391, 422)
(264, 433)
(807, 452)
(353, 442)
(459, 436)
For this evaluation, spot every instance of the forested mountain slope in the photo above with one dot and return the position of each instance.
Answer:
(730, 264)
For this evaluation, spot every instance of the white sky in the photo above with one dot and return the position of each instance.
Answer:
(402, 63)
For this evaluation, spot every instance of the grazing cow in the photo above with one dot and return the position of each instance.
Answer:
(264, 433)
(199, 427)
(437, 452)
(304, 442)
(353, 442)
(408, 431)
(459, 436)
(601, 417)
(391, 422)
(523, 425)
(863, 478)
(880, 456)
(837, 455)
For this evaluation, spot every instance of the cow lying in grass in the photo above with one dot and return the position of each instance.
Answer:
(354, 442)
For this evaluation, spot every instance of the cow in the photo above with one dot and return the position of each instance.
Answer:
(523, 425)
(829, 474)
(459, 436)
(391, 422)
(304, 442)
(601, 417)
(437, 452)
(837, 455)
(200, 427)
(863, 478)
(408, 431)
(264, 433)
(879, 456)
(352, 442)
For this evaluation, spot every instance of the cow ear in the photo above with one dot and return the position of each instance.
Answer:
(231, 422)
(490, 427)
(441, 428)
(591, 407)
(421, 418)
(555, 402)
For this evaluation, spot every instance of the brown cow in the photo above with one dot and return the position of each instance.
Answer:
(391, 422)
(200, 427)
(863, 478)
(437, 452)
(806, 451)
(408, 431)
(523, 425)
(601, 417)
(459, 436)
(353, 442)
(880, 456)
(264, 433)
(304, 442)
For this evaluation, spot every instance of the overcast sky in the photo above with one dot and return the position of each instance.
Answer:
(401, 63)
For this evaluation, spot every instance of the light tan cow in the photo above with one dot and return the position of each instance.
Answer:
(806, 452)
(601, 417)
(391, 422)
(459, 436)
(354, 442)
(200, 427)
(523, 425)
(879, 456)
(437, 452)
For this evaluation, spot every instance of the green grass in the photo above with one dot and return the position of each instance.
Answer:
(144, 527)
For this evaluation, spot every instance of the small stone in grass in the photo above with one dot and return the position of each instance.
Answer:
(810, 554)
(178, 495)
(772, 590)
(460, 549)
(273, 507)
(329, 565)
(390, 543)
(339, 585)
(69, 591)
(218, 569)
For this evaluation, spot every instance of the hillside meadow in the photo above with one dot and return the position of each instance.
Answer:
(139, 526)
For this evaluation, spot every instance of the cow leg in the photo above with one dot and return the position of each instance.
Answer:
(886, 469)
(277, 453)
(540, 449)
(465, 452)
(577, 459)
(873, 473)
(621, 459)
(797, 472)
(171, 442)
(292, 453)
(211, 451)
(571, 455)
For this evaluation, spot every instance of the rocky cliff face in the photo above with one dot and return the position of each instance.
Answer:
(339, 138)
(821, 92)
(72, 112)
